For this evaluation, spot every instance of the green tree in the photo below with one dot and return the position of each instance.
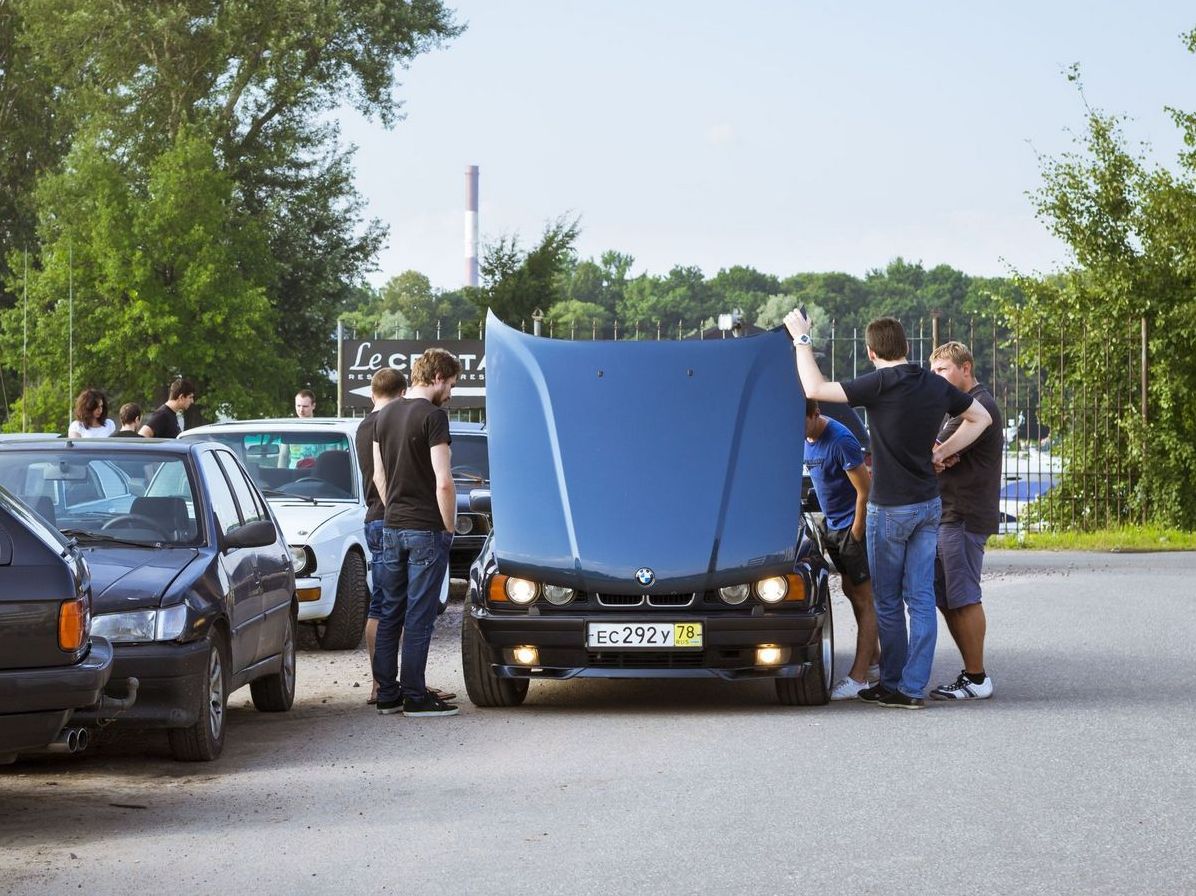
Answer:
(516, 283)
(149, 282)
(256, 80)
(1132, 228)
(744, 288)
(572, 319)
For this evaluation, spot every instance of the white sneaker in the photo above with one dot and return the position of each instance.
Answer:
(963, 688)
(847, 688)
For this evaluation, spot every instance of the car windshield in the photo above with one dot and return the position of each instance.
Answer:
(98, 496)
(470, 460)
(302, 464)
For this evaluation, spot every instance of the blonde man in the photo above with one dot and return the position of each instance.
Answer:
(970, 487)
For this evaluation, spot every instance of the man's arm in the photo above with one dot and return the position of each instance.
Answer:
(975, 420)
(861, 479)
(379, 472)
(813, 382)
(446, 490)
(146, 430)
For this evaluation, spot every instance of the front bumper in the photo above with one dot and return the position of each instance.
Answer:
(172, 679)
(43, 699)
(323, 589)
(728, 651)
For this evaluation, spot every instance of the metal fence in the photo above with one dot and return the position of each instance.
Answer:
(1067, 459)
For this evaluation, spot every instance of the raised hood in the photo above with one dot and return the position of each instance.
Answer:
(684, 457)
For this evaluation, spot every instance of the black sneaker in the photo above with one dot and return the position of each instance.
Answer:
(389, 707)
(874, 694)
(898, 700)
(427, 707)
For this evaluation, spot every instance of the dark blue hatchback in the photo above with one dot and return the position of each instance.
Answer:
(191, 577)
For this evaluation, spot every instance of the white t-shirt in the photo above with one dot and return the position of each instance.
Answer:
(78, 431)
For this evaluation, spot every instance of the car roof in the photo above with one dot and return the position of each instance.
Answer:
(343, 424)
(172, 446)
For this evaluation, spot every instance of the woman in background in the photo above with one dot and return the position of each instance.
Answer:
(91, 416)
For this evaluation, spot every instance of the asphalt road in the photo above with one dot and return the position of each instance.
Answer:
(1078, 777)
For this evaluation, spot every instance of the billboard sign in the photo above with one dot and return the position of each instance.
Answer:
(362, 358)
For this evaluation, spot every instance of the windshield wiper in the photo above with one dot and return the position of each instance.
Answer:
(276, 493)
(87, 535)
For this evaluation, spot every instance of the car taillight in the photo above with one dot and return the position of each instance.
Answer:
(72, 624)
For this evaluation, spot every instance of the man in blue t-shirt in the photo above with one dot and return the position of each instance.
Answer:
(906, 404)
(842, 482)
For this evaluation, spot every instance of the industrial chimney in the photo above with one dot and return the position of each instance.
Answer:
(471, 225)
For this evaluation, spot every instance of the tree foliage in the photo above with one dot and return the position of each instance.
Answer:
(246, 85)
(1131, 226)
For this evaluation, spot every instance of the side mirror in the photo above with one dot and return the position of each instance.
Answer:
(479, 500)
(258, 534)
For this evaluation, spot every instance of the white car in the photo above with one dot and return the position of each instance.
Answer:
(308, 471)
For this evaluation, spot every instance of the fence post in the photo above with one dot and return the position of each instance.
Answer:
(616, 336)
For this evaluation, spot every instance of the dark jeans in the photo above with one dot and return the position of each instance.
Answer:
(373, 541)
(412, 570)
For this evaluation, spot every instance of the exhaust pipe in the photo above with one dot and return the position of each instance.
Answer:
(69, 740)
(110, 707)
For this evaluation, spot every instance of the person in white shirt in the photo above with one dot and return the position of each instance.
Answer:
(91, 416)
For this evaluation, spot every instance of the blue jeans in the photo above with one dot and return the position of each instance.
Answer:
(373, 542)
(902, 540)
(412, 570)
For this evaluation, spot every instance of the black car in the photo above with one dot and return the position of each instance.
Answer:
(646, 500)
(50, 665)
(191, 577)
(471, 472)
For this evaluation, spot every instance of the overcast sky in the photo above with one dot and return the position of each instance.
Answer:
(789, 136)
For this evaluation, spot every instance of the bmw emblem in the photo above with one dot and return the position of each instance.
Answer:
(645, 576)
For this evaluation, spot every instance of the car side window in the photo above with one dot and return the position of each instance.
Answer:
(224, 505)
(251, 509)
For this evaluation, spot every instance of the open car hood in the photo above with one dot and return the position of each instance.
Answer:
(608, 458)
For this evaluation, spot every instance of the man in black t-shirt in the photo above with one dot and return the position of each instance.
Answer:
(906, 404)
(970, 486)
(164, 422)
(413, 471)
(385, 386)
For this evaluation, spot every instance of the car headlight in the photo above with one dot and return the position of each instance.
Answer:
(735, 594)
(522, 591)
(141, 625)
(464, 524)
(773, 589)
(558, 595)
(303, 559)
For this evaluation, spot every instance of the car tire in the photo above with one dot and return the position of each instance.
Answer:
(276, 693)
(345, 625)
(814, 686)
(204, 740)
(481, 684)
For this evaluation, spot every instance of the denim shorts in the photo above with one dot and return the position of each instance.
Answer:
(957, 565)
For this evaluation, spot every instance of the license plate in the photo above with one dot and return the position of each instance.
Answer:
(643, 635)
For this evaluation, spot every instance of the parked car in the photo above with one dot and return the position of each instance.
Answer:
(646, 499)
(191, 580)
(308, 470)
(471, 471)
(50, 665)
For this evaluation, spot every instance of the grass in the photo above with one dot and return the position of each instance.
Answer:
(1144, 538)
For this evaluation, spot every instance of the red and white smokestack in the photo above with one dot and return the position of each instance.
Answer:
(471, 225)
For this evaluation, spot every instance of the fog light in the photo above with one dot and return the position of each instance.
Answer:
(769, 655)
(526, 655)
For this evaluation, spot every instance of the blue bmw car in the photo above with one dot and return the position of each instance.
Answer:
(648, 520)
(191, 578)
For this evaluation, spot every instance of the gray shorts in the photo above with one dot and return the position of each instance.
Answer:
(957, 565)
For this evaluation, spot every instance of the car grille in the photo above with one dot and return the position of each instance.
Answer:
(659, 601)
(674, 659)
